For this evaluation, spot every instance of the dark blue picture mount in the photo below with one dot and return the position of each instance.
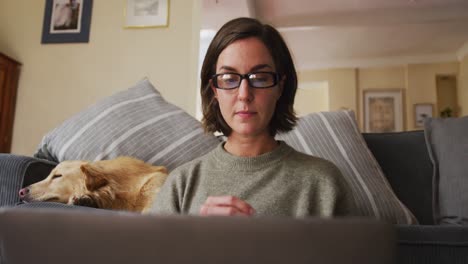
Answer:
(78, 37)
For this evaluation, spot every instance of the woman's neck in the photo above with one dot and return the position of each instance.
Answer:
(250, 146)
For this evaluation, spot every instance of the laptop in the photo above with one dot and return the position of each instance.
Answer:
(101, 236)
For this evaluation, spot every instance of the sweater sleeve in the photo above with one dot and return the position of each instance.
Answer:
(345, 205)
(168, 200)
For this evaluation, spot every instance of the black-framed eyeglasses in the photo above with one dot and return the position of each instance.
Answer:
(231, 80)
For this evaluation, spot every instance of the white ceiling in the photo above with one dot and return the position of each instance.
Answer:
(356, 33)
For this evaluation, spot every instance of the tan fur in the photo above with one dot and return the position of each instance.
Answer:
(123, 183)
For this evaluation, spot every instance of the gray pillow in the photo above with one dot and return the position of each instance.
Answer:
(335, 136)
(447, 140)
(137, 122)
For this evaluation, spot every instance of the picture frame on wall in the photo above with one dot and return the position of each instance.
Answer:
(66, 21)
(422, 111)
(146, 13)
(383, 110)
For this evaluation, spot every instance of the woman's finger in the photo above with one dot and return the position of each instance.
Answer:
(230, 201)
(221, 211)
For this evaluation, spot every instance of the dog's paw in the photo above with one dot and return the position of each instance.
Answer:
(84, 200)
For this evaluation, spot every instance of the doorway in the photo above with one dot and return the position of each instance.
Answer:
(447, 100)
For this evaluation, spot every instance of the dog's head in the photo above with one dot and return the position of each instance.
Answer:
(112, 183)
(68, 179)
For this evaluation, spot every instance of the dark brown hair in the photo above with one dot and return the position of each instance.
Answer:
(284, 118)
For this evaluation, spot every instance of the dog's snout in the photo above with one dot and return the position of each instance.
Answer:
(23, 192)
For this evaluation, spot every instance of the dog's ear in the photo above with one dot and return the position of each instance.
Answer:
(161, 169)
(95, 178)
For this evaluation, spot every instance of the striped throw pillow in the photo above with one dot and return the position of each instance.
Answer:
(335, 136)
(137, 122)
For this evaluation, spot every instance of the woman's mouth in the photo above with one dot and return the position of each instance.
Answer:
(245, 114)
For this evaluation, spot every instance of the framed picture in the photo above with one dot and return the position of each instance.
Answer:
(421, 112)
(146, 13)
(66, 21)
(383, 110)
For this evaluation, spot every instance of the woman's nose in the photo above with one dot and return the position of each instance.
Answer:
(244, 90)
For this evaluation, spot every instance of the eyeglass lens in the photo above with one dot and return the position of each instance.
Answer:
(256, 79)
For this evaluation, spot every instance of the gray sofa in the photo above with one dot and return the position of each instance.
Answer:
(403, 157)
(405, 160)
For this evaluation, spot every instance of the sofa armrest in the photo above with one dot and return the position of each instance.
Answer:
(432, 244)
(18, 171)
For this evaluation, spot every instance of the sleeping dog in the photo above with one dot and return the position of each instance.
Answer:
(123, 183)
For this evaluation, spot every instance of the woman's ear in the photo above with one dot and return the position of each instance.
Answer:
(215, 91)
(281, 86)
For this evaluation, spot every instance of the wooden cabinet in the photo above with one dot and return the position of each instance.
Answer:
(9, 73)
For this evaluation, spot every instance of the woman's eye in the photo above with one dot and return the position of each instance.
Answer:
(229, 79)
(259, 79)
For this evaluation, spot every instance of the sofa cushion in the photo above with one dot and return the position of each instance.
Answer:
(137, 122)
(432, 244)
(405, 161)
(447, 140)
(17, 171)
(335, 136)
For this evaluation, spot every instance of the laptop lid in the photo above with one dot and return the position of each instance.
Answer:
(98, 236)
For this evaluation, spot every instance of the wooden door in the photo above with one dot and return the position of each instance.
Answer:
(9, 73)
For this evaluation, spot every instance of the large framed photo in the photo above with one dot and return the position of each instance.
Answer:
(146, 13)
(66, 21)
(383, 110)
(421, 112)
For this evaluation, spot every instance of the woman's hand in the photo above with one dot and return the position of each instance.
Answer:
(226, 205)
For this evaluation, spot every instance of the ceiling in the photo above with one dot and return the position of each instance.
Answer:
(356, 33)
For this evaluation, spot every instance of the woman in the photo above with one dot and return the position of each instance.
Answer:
(248, 88)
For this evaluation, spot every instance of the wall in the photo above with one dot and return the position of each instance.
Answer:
(311, 97)
(418, 82)
(341, 86)
(58, 80)
(421, 85)
(463, 87)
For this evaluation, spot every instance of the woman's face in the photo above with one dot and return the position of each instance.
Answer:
(245, 109)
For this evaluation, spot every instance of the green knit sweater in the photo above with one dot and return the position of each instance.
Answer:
(283, 182)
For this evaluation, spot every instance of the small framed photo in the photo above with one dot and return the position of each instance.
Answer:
(66, 21)
(421, 112)
(383, 110)
(146, 13)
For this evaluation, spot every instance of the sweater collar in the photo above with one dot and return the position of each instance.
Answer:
(229, 161)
